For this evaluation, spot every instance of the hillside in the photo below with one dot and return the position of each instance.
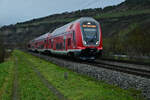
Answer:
(120, 24)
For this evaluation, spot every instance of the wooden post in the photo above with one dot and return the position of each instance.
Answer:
(66, 75)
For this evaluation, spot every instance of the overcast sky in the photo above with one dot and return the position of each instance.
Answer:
(13, 11)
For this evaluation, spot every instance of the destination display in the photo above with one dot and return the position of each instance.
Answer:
(93, 26)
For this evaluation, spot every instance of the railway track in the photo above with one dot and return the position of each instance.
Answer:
(122, 68)
(133, 69)
(126, 61)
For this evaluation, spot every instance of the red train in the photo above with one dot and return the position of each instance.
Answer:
(81, 38)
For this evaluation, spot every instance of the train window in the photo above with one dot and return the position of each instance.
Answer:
(59, 46)
(69, 41)
(64, 44)
(74, 36)
(49, 42)
(42, 46)
(36, 43)
(52, 43)
(29, 45)
(44, 41)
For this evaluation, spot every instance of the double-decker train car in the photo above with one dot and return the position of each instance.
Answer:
(81, 38)
(39, 44)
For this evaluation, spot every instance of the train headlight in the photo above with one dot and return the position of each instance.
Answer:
(97, 42)
(84, 42)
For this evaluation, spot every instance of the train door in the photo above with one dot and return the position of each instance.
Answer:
(45, 43)
(74, 39)
(64, 42)
(69, 43)
(51, 43)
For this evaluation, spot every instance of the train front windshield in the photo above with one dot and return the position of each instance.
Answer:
(90, 33)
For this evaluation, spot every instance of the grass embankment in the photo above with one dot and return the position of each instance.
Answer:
(76, 87)
(6, 79)
(30, 86)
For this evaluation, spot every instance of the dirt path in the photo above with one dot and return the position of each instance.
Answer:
(49, 85)
(15, 93)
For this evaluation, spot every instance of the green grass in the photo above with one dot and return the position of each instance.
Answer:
(30, 86)
(6, 79)
(79, 87)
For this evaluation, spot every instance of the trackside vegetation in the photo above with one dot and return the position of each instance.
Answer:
(30, 86)
(6, 79)
(75, 87)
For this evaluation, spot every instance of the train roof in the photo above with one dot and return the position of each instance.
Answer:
(82, 19)
(44, 36)
(64, 28)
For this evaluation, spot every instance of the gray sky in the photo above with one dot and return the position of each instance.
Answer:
(13, 11)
